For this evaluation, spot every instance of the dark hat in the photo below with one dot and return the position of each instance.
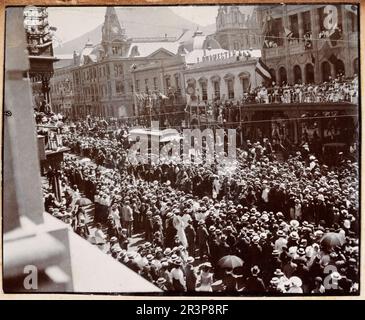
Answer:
(255, 270)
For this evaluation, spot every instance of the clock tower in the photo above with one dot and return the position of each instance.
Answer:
(114, 39)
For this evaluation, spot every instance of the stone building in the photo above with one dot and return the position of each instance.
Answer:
(309, 43)
(100, 75)
(236, 30)
(223, 76)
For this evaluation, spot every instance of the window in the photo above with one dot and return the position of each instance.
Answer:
(168, 83)
(137, 85)
(177, 83)
(118, 70)
(155, 86)
(306, 18)
(294, 27)
(119, 87)
(146, 85)
(236, 46)
(115, 49)
(204, 90)
(230, 87)
(275, 36)
(217, 90)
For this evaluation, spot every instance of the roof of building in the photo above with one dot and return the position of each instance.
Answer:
(145, 49)
(64, 60)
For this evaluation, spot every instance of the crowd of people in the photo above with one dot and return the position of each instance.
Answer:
(334, 90)
(292, 226)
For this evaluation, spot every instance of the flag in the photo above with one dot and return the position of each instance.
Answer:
(263, 70)
(352, 8)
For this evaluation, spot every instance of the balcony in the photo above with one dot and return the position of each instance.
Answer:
(296, 47)
(274, 52)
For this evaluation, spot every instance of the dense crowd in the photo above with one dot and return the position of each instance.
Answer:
(294, 224)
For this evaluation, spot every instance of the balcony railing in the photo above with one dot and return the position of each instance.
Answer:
(274, 52)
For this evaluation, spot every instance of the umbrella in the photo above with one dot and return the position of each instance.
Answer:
(83, 202)
(230, 262)
(331, 240)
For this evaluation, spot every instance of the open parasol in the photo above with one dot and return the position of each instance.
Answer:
(331, 240)
(230, 262)
(83, 202)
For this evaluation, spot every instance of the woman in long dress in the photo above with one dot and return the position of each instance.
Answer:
(180, 225)
(216, 187)
(205, 278)
(178, 278)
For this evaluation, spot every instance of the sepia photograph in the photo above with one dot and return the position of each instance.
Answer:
(182, 150)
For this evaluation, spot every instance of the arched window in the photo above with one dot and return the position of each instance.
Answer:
(216, 80)
(339, 67)
(245, 81)
(297, 74)
(204, 88)
(309, 73)
(326, 70)
(229, 78)
(282, 76)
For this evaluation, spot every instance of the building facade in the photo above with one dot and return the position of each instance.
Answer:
(225, 78)
(100, 75)
(236, 30)
(309, 43)
(61, 86)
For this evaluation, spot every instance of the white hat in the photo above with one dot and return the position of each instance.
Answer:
(336, 276)
(296, 281)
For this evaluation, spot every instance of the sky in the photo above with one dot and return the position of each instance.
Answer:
(67, 19)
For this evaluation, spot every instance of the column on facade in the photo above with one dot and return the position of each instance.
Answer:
(333, 70)
(315, 32)
(210, 89)
(300, 26)
(237, 86)
(223, 88)
(162, 82)
(289, 71)
(346, 43)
